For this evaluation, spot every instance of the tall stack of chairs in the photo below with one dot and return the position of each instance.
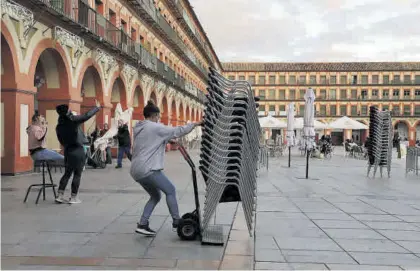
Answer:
(229, 147)
(380, 147)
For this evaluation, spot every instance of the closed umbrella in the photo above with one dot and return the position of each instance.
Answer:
(308, 125)
(290, 127)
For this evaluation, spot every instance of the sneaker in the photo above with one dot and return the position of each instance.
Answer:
(74, 200)
(145, 230)
(60, 198)
(118, 167)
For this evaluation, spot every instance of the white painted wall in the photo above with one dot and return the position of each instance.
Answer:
(89, 125)
(24, 123)
(52, 141)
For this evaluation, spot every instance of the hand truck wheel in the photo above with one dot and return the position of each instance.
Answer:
(187, 229)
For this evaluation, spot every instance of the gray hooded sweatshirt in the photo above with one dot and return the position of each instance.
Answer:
(150, 139)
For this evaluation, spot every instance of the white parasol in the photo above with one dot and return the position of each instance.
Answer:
(317, 124)
(290, 124)
(270, 122)
(308, 121)
(347, 123)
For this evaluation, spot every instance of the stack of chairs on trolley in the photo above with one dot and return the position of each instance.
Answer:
(230, 147)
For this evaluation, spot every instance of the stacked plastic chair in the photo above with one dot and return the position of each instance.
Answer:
(229, 147)
(380, 147)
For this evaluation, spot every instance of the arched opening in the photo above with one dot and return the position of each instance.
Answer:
(153, 97)
(417, 133)
(181, 117)
(118, 96)
(138, 104)
(165, 111)
(402, 128)
(8, 80)
(51, 82)
(91, 89)
(187, 114)
(173, 118)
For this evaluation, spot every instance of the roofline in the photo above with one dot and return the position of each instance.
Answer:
(197, 22)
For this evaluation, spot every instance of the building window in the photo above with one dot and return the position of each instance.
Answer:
(343, 94)
(282, 79)
(407, 79)
(323, 94)
(282, 94)
(343, 110)
(354, 80)
(375, 79)
(395, 110)
(343, 79)
(417, 94)
(231, 77)
(385, 107)
(292, 94)
(385, 79)
(364, 110)
(407, 110)
(272, 80)
(262, 94)
(333, 94)
(364, 94)
(333, 110)
(385, 94)
(301, 110)
(261, 80)
(262, 108)
(302, 79)
(407, 94)
(323, 79)
(292, 80)
(396, 94)
(397, 79)
(354, 93)
(354, 110)
(282, 108)
(333, 79)
(272, 94)
(374, 94)
(364, 79)
(242, 77)
(272, 109)
(417, 110)
(323, 110)
(251, 79)
(417, 79)
(302, 94)
(312, 79)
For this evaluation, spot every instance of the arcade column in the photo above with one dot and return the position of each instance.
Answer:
(17, 108)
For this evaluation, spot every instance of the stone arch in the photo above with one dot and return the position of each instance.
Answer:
(165, 111)
(8, 63)
(153, 97)
(91, 64)
(403, 128)
(181, 117)
(173, 118)
(187, 114)
(118, 95)
(138, 103)
(91, 90)
(416, 127)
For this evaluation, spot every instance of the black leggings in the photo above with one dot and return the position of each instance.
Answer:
(74, 160)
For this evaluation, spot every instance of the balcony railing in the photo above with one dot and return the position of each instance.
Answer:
(349, 83)
(104, 30)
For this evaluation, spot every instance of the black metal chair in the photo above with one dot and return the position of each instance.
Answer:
(43, 185)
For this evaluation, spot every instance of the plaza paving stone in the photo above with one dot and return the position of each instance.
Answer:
(338, 218)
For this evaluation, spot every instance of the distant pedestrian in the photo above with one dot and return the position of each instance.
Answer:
(71, 136)
(150, 139)
(124, 143)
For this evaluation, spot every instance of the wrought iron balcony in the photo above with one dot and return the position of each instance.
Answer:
(101, 30)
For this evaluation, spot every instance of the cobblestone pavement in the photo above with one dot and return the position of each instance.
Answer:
(99, 233)
(337, 219)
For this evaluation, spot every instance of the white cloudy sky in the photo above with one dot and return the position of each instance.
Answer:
(312, 30)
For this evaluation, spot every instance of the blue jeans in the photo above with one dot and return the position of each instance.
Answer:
(121, 151)
(153, 184)
(48, 155)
